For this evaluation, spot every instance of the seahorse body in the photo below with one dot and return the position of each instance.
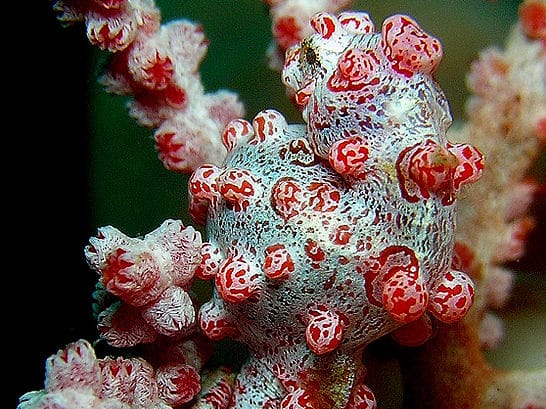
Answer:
(326, 236)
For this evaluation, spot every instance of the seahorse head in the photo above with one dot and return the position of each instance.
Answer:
(351, 81)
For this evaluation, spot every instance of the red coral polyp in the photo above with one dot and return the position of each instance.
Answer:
(135, 278)
(533, 19)
(409, 49)
(178, 384)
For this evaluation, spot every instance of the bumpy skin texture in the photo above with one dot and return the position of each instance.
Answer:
(325, 237)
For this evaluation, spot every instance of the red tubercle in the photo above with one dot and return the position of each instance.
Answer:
(324, 24)
(267, 123)
(409, 49)
(287, 198)
(301, 97)
(432, 167)
(235, 131)
(338, 83)
(348, 156)
(314, 252)
(341, 235)
(532, 14)
(424, 169)
(357, 65)
(393, 281)
(211, 258)
(203, 183)
(404, 295)
(298, 152)
(214, 323)
(237, 280)
(237, 187)
(356, 22)
(428, 168)
(323, 197)
(471, 164)
(324, 331)
(452, 298)
(292, 55)
(278, 263)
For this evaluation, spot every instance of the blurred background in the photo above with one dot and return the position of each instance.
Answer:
(94, 166)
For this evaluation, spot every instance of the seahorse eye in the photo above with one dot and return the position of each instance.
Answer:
(310, 56)
(309, 60)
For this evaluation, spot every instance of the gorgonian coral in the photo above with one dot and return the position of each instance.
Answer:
(158, 65)
(321, 237)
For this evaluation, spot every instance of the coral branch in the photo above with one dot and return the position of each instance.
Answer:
(157, 64)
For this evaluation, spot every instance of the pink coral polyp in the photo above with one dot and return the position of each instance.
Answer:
(178, 384)
(73, 367)
(137, 280)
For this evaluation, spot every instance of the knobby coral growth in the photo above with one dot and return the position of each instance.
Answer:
(321, 237)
